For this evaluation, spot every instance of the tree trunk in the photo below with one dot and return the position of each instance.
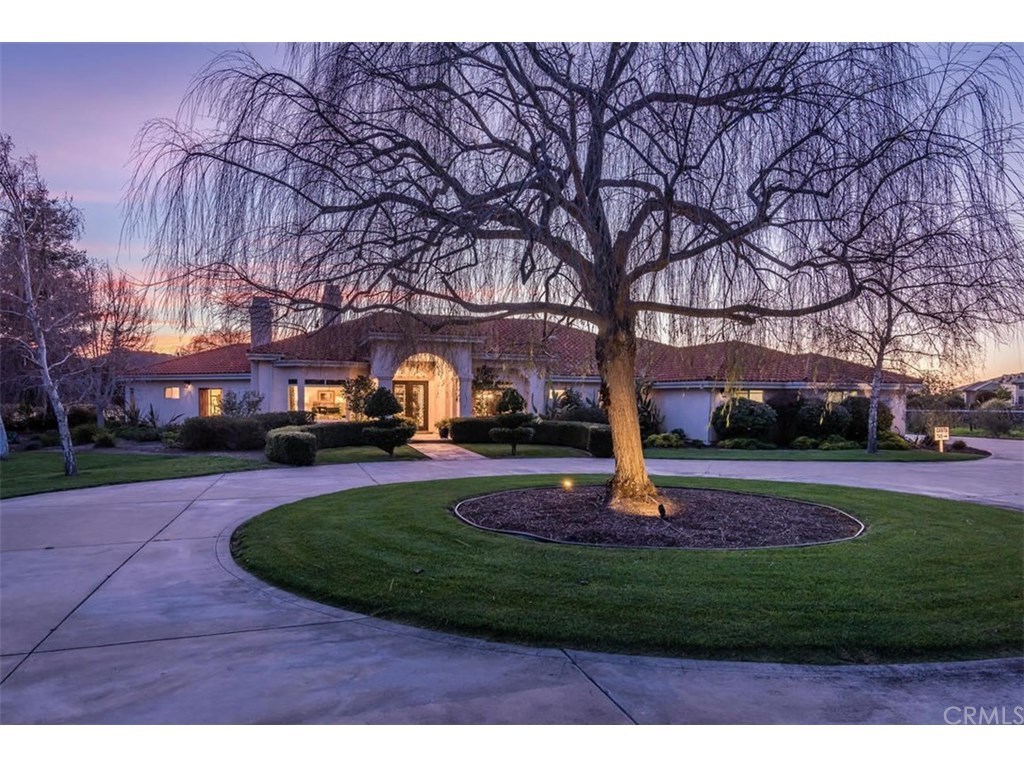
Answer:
(70, 463)
(876, 387)
(630, 490)
(5, 449)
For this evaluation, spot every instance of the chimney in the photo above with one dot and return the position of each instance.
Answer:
(261, 321)
(332, 301)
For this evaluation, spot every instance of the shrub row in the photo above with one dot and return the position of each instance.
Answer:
(785, 420)
(221, 433)
(593, 438)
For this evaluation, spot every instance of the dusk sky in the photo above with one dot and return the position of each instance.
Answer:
(78, 108)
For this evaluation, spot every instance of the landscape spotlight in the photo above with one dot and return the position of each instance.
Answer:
(567, 484)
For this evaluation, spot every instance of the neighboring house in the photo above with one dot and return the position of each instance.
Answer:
(454, 368)
(980, 391)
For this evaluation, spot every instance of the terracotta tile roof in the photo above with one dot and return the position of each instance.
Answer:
(231, 359)
(568, 352)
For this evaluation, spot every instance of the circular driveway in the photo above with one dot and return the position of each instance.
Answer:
(122, 605)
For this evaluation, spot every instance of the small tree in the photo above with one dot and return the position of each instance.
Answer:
(389, 433)
(382, 404)
(245, 405)
(512, 420)
(357, 391)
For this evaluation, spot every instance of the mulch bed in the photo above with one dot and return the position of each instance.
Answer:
(707, 520)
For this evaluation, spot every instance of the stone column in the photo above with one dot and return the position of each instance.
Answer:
(465, 396)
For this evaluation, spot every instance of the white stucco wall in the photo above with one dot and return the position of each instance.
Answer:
(148, 393)
(686, 409)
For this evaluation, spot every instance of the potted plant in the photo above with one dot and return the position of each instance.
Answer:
(443, 428)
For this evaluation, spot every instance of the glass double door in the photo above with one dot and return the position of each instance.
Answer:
(412, 396)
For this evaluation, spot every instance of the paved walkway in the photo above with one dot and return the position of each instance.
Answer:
(122, 605)
(443, 450)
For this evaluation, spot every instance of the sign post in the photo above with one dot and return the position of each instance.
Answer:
(941, 435)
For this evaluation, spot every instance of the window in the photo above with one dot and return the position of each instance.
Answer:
(171, 393)
(209, 402)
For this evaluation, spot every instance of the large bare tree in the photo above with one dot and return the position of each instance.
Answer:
(43, 304)
(118, 323)
(599, 184)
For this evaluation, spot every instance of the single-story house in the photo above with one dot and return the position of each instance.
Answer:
(452, 368)
(980, 391)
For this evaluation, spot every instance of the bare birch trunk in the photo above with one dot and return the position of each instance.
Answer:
(876, 386)
(5, 449)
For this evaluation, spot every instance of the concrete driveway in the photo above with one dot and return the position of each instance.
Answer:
(122, 605)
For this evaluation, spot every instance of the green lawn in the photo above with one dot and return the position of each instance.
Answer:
(525, 451)
(785, 454)
(358, 454)
(1017, 433)
(930, 579)
(23, 473)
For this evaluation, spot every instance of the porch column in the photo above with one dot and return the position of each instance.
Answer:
(385, 382)
(465, 404)
(300, 393)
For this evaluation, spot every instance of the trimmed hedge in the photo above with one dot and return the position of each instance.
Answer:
(291, 445)
(221, 433)
(473, 429)
(277, 419)
(600, 443)
(337, 434)
(574, 434)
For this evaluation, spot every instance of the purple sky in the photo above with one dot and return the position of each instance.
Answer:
(79, 106)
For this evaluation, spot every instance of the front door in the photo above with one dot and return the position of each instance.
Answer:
(412, 396)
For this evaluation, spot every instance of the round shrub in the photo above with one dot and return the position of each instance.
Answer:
(858, 408)
(668, 440)
(745, 444)
(83, 434)
(890, 441)
(103, 439)
(741, 417)
(816, 418)
(838, 443)
(289, 445)
(958, 445)
(804, 443)
(381, 404)
(387, 438)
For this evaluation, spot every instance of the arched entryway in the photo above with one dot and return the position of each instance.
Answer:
(427, 387)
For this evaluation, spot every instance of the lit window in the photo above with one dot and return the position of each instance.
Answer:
(209, 402)
(172, 393)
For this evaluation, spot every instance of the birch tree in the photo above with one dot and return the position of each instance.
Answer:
(41, 303)
(601, 184)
